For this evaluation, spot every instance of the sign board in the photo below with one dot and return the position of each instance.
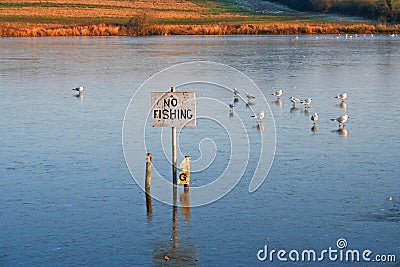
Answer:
(173, 109)
(184, 177)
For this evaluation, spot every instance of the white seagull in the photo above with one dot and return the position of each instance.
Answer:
(78, 89)
(278, 93)
(235, 95)
(306, 102)
(314, 117)
(232, 107)
(341, 120)
(250, 97)
(342, 96)
(294, 100)
(185, 164)
(259, 117)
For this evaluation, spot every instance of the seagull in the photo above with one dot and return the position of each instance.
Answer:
(306, 102)
(294, 100)
(341, 120)
(314, 117)
(185, 164)
(259, 117)
(342, 96)
(232, 107)
(235, 95)
(250, 97)
(78, 89)
(278, 93)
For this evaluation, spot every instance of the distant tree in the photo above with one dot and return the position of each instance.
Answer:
(321, 6)
(138, 24)
(389, 4)
(384, 11)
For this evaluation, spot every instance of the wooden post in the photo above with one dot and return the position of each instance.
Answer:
(174, 179)
(186, 186)
(149, 164)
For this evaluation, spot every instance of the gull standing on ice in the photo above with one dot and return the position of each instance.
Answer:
(314, 117)
(232, 107)
(278, 93)
(78, 89)
(342, 96)
(235, 95)
(306, 102)
(259, 117)
(250, 97)
(341, 120)
(185, 164)
(294, 100)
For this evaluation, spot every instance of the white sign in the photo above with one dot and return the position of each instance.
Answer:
(173, 109)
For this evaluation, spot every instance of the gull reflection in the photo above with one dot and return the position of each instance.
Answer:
(260, 127)
(278, 102)
(80, 96)
(342, 105)
(249, 103)
(293, 109)
(314, 129)
(342, 132)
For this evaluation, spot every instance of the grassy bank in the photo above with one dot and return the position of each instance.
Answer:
(165, 17)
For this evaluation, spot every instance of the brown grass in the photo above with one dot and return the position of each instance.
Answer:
(115, 30)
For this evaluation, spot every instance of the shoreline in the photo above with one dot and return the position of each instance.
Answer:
(280, 28)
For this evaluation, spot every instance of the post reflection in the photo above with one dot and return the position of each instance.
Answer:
(149, 205)
(177, 252)
(175, 220)
(184, 198)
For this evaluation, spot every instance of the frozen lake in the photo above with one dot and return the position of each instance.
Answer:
(67, 197)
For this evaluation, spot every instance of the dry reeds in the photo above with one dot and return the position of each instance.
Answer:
(103, 29)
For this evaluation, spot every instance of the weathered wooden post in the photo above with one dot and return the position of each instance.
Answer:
(186, 186)
(149, 164)
(184, 175)
(174, 181)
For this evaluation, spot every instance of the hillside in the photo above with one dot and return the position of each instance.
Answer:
(385, 11)
(156, 17)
